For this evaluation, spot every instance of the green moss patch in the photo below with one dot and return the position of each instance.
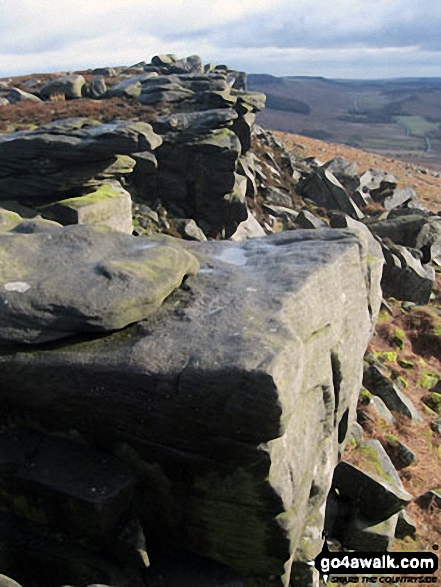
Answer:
(103, 193)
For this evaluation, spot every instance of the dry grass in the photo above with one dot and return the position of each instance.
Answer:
(28, 114)
(426, 185)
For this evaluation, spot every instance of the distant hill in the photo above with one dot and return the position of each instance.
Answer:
(398, 117)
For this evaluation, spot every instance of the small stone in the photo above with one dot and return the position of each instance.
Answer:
(435, 425)
(429, 499)
(405, 526)
(399, 452)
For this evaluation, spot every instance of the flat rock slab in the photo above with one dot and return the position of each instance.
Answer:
(231, 402)
(83, 279)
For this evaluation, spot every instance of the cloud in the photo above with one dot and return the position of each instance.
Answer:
(342, 23)
(285, 37)
(27, 22)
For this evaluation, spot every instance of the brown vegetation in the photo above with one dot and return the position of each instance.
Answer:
(26, 115)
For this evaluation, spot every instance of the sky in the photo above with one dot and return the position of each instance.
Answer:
(330, 38)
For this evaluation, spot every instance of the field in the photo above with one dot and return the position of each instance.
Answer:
(399, 118)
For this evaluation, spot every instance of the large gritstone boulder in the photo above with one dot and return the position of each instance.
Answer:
(63, 155)
(83, 279)
(231, 403)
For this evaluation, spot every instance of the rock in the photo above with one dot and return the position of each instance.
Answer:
(275, 196)
(7, 582)
(401, 197)
(104, 71)
(243, 125)
(36, 225)
(164, 60)
(120, 168)
(107, 204)
(236, 210)
(8, 220)
(97, 87)
(401, 454)
(402, 230)
(435, 425)
(196, 83)
(189, 125)
(378, 184)
(306, 219)
(83, 279)
(189, 229)
(171, 64)
(240, 80)
(254, 99)
(345, 171)
(364, 536)
(72, 488)
(405, 526)
(4, 102)
(63, 155)
(377, 382)
(16, 95)
(169, 93)
(272, 363)
(326, 191)
(356, 435)
(31, 552)
(129, 88)
(69, 86)
(249, 228)
(434, 402)
(196, 179)
(429, 499)
(246, 167)
(373, 488)
(428, 240)
(378, 405)
(287, 214)
(404, 277)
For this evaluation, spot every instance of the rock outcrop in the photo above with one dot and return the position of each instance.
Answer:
(228, 405)
(179, 393)
(83, 279)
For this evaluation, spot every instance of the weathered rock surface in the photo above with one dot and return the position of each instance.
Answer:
(404, 276)
(69, 86)
(431, 498)
(8, 582)
(323, 188)
(63, 155)
(405, 526)
(203, 399)
(402, 230)
(106, 204)
(345, 171)
(83, 279)
(377, 381)
(16, 95)
(378, 184)
(375, 491)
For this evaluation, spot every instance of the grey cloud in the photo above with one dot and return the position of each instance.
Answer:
(404, 23)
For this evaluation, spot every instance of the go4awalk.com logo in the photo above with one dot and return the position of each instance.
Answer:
(358, 567)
